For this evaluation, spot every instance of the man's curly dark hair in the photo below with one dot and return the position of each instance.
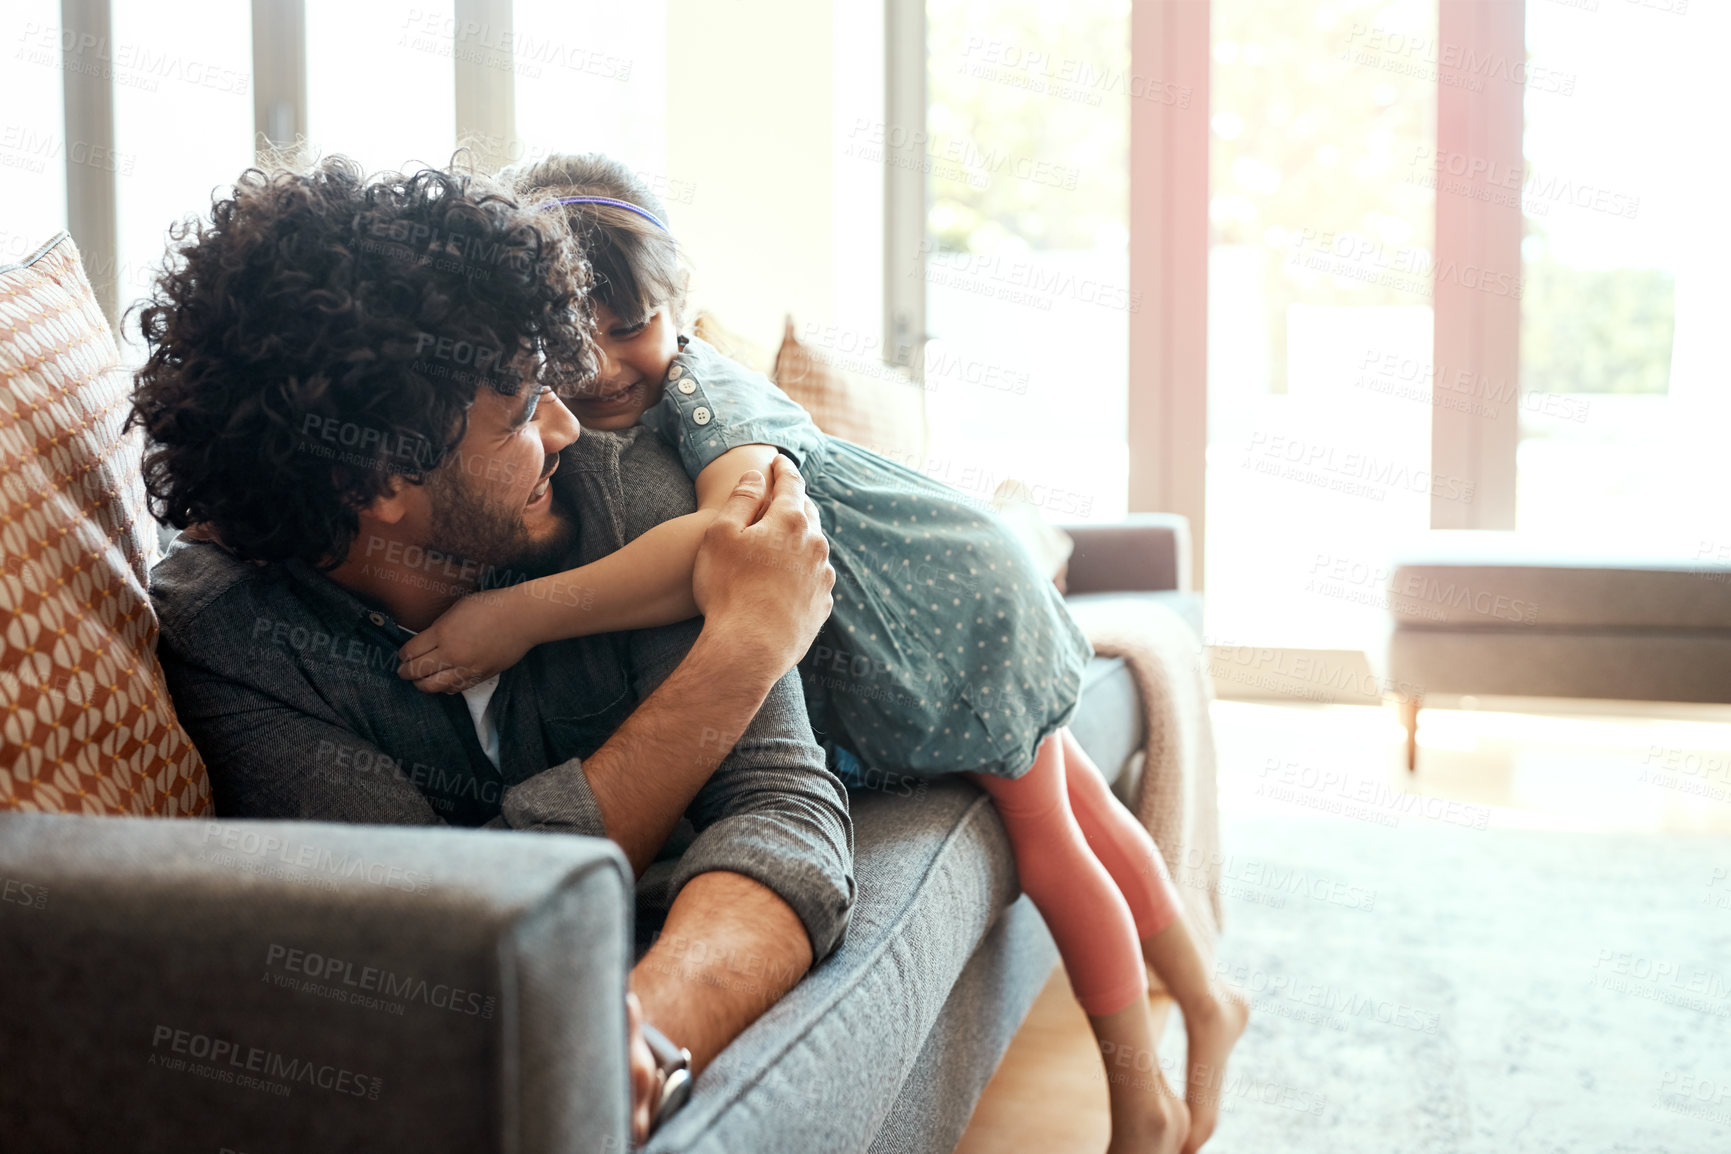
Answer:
(324, 332)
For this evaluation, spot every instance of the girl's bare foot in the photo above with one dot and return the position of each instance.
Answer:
(1158, 1123)
(1147, 1117)
(1211, 1034)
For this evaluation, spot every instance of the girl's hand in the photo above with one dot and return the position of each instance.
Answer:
(471, 641)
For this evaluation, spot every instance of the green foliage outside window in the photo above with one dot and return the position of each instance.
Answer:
(1028, 106)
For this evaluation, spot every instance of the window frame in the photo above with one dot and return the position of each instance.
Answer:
(1478, 331)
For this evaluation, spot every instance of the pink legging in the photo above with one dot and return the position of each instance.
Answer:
(1089, 868)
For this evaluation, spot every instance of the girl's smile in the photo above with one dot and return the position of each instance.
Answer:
(607, 402)
(634, 362)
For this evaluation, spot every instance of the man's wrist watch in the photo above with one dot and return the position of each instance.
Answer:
(673, 1075)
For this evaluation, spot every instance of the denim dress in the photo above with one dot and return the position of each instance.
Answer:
(948, 651)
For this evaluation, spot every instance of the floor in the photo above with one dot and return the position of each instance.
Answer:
(1533, 766)
(1048, 1095)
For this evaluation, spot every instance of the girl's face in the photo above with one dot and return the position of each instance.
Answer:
(634, 363)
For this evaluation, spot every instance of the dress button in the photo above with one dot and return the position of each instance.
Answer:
(376, 618)
(688, 386)
(700, 415)
(675, 372)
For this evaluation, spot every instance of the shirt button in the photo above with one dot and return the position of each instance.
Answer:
(675, 373)
(376, 618)
(688, 386)
(701, 415)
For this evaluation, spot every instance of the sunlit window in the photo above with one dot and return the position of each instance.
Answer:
(1027, 283)
(381, 85)
(592, 77)
(32, 131)
(183, 116)
(1625, 390)
(1322, 211)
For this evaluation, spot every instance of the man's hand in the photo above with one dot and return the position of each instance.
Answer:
(762, 578)
(644, 1072)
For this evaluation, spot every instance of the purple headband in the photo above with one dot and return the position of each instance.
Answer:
(625, 204)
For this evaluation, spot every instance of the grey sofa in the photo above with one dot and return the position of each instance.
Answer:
(264, 987)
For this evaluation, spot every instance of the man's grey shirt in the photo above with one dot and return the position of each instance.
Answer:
(287, 684)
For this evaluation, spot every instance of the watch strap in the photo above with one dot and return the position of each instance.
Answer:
(673, 1066)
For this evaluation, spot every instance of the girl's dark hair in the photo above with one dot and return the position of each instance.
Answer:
(637, 266)
(324, 332)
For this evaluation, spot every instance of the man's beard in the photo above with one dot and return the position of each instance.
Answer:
(469, 525)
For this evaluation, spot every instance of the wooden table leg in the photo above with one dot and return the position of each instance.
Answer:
(1409, 703)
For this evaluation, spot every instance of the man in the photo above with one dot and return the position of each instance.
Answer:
(347, 406)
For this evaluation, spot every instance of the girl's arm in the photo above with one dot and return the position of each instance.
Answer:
(644, 584)
(648, 582)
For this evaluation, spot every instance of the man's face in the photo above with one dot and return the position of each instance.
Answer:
(492, 503)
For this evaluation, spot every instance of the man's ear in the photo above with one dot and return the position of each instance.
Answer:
(392, 505)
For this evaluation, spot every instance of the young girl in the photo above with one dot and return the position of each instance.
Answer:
(947, 651)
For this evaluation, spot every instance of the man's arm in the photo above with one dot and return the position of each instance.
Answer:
(758, 620)
(767, 887)
(699, 996)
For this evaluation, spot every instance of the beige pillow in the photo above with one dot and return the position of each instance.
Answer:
(1048, 545)
(731, 344)
(870, 403)
(88, 726)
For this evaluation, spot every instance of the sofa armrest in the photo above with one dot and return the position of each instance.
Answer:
(1145, 552)
(201, 985)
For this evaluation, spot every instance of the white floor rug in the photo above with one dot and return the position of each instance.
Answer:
(1439, 989)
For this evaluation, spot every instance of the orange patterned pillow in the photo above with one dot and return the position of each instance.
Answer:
(87, 724)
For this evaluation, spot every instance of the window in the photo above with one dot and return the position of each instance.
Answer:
(32, 128)
(381, 86)
(1625, 394)
(182, 72)
(1027, 294)
(1321, 208)
(592, 77)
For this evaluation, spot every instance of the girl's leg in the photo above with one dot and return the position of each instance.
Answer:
(1214, 1015)
(1123, 846)
(1096, 938)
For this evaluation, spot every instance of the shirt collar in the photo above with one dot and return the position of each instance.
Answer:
(336, 606)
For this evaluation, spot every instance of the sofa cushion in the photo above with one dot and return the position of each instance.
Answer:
(1622, 664)
(823, 1068)
(1110, 723)
(733, 345)
(962, 1053)
(1503, 581)
(91, 728)
(856, 398)
(1046, 543)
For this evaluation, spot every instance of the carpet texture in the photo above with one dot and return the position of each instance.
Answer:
(1442, 988)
